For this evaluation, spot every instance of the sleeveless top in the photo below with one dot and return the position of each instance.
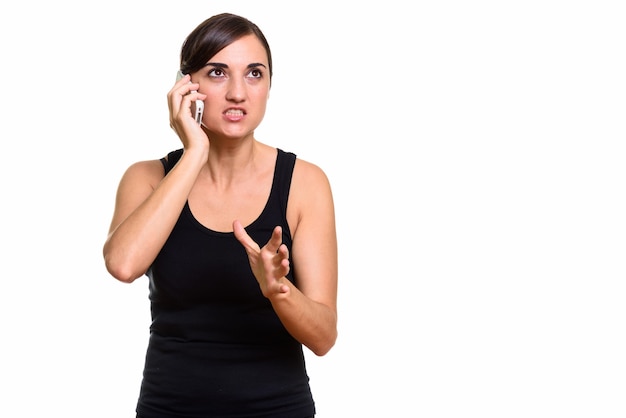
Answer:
(216, 347)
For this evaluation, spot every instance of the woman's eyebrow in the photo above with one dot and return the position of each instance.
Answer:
(222, 65)
(215, 64)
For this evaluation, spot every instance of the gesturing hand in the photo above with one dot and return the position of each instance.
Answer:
(269, 264)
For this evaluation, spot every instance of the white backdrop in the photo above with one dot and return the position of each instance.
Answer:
(476, 155)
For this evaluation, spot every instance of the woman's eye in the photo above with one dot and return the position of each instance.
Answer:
(256, 73)
(216, 72)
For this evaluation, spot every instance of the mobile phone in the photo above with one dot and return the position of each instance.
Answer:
(197, 108)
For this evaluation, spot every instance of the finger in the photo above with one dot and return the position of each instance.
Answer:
(283, 251)
(282, 260)
(180, 90)
(243, 237)
(180, 87)
(181, 114)
(276, 240)
(186, 84)
(182, 78)
(282, 268)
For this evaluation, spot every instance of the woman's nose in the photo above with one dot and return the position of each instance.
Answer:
(236, 90)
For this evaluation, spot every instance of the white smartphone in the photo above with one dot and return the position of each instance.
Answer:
(197, 108)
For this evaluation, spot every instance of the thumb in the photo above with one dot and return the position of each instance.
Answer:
(243, 237)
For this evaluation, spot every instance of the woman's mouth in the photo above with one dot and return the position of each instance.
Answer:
(234, 113)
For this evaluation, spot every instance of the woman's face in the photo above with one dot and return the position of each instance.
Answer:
(237, 82)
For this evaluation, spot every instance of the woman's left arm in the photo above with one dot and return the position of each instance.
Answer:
(308, 311)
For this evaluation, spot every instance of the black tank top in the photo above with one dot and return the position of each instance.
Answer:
(217, 348)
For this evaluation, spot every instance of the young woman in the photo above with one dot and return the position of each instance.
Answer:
(237, 239)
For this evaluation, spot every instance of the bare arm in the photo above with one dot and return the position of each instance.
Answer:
(308, 311)
(146, 209)
(148, 204)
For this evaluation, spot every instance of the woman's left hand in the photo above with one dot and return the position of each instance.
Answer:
(269, 264)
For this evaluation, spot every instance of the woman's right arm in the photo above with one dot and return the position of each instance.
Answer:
(148, 203)
(147, 206)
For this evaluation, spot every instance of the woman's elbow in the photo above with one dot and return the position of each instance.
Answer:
(121, 270)
(123, 275)
(321, 347)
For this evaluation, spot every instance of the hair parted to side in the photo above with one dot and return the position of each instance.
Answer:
(214, 34)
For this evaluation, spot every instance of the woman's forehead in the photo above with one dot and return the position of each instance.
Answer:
(243, 51)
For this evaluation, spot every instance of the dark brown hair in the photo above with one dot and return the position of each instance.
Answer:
(214, 34)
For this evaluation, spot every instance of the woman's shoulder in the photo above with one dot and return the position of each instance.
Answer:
(308, 172)
(310, 185)
(148, 166)
(145, 170)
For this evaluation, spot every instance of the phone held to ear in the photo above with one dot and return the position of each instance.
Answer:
(197, 108)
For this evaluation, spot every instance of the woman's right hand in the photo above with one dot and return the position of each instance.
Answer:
(179, 100)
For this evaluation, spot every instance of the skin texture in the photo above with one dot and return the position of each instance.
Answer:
(223, 165)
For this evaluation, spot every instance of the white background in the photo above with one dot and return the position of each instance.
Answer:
(476, 155)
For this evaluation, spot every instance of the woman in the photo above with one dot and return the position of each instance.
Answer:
(237, 239)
